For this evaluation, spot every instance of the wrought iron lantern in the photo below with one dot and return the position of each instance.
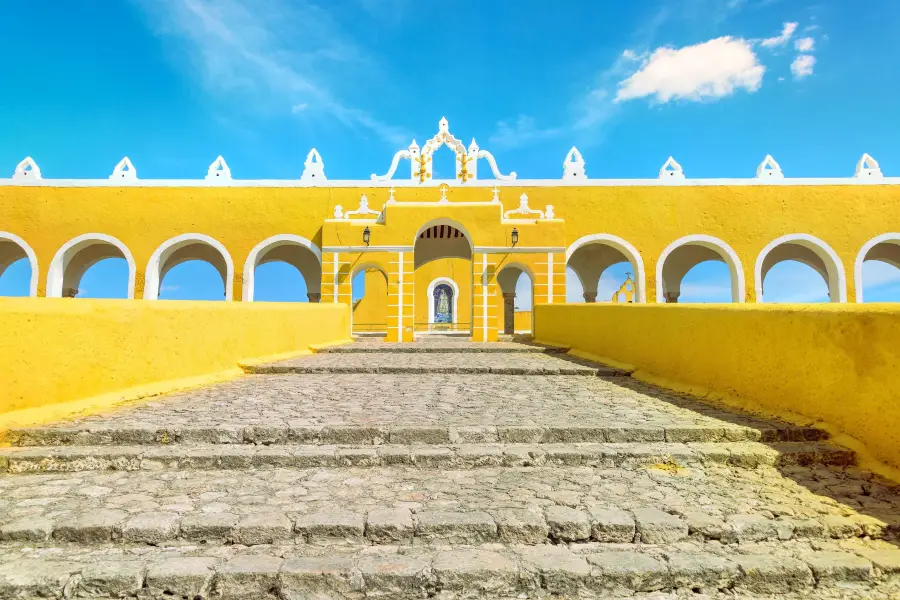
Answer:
(366, 235)
(515, 236)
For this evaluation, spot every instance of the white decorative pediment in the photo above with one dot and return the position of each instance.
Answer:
(124, 171)
(573, 166)
(671, 171)
(218, 170)
(362, 210)
(525, 210)
(769, 169)
(313, 167)
(27, 170)
(867, 168)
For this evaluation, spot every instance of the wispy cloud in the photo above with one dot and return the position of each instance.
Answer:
(803, 66)
(279, 54)
(787, 31)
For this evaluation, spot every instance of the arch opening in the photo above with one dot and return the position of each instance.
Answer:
(265, 275)
(183, 249)
(439, 239)
(369, 296)
(793, 283)
(689, 255)
(18, 267)
(72, 261)
(593, 256)
(878, 269)
(516, 288)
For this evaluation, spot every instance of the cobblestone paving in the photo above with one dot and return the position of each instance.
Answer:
(440, 485)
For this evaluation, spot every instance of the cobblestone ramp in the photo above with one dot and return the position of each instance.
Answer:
(513, 473)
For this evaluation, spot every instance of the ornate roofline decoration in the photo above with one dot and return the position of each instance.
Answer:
(422, 165)
(313, 167)
(768, 168)
(218, 170)
(362, 210)
(573, 166)
(27, 170)
(526, 210)
(124, 171)
(671, 171)
(867, 168)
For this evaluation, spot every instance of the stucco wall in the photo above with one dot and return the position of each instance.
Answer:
(522, 320)
(839, 364)
(371, 310)
(59, 350)
(457, 269)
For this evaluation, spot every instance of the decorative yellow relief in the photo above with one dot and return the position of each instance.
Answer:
(422, 173)
(627, 289)
(463, 160)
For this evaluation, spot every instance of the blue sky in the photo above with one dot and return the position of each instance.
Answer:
(174, 83)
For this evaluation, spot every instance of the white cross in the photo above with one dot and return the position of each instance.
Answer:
(496, 194)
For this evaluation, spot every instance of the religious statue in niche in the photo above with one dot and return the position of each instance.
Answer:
(443, 302)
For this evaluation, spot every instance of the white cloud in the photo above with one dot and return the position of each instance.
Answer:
(806, 44)
(272, 57)
(709, 70)
(803, 66)
(780, 40)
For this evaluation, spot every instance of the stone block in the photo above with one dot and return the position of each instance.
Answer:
(30, 578)
(629, 570)
(694, 433)
(886, 560)
(474, 434)
(839, 527)
(455, 527)
(394, 455)
(249, 577)
(350, 435)
(520, 526)
(568, 524)
(611, 525)
(835, 567)
(479, 455)
(92, 526)
(559, 571)
(748, 528)
(471, 570)
(395, 575)
(704, 524)
(704, 571)
(28, 529)
(521, 434)
(434, 457)
(112, 578)
(635, 434)
(262, 528)
(657, 527)
(419, 434)
(151, 527)
(767, 575)
(389, 526)
(331, 525)
(358, 457)
(319, 577)
(208, 527)
(181, 577)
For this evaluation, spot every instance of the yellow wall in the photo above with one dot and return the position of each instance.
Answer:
(58, 350)
(457, 269)
(522, 320)
(372, 308)
(839, 364)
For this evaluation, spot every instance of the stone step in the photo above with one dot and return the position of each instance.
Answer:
(453, 572)
(375, 434)
(47, 459)
(407, 363)
(441, 347)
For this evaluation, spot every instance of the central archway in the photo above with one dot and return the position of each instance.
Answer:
(442, 256)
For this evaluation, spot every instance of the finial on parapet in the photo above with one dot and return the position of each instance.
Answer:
(573, 166)
(769, 169)
(27, 170)
(124, 171)
(671, 171)
(867, 168)
(313, 167)
(218, 170)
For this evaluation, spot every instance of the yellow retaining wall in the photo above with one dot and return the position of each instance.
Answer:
(838, 364)
(522, 320)
(57, 350)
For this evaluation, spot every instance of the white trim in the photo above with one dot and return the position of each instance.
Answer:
(400, 299)
(484, 297)
(833, 265)
(630, 252)
(56, 273)
(152, 279)
(30, 255)
(549, 278)
(726, 252)
(262, 248)
(478, 183)
(436, 282)
(337, 268)
(518, 249)
(861, 258)
(337, 249)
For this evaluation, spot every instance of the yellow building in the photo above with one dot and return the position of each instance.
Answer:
(445, 256)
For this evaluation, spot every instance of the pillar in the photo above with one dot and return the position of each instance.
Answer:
(314, 297)
(509, 312)
(401, 292)
(69, 292)
(590, 297)
(485, 311)
(672, 297)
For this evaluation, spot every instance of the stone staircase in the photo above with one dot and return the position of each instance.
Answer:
(439, 469)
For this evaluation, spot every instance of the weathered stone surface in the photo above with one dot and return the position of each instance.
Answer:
(704, 524)
(206, 527)
(93, 526)
(558, 570)
(151, 527)
(629, 570)
(389, 526)
(487, 572)
(657, 527)
(28, 529)
(521, 526)
(830, 567)
(748, 528)
(184, 577)
(262, 528)
(395, 575)
(448, 527)
(249, 576)
(568, 524)
(331, 525)
(705, 571)
(112, 578)
(611, 524)
(30, 578)
(764, 575)
(319, 576)
(886, 560)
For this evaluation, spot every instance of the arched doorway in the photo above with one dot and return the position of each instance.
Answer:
(79, 254)
(806, 250)
(686, 254)
(593, 255)
(286, 249)
(878, 270)
(516, 289)
(442, 259)
(186, 248)
(369, 297)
